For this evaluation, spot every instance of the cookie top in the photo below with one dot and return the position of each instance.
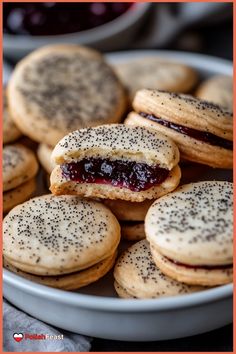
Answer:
(218, 89)
(10, 130)
(61, 88)
(186, 110)
(156, 73)
(194, 224)
(118, 141)
(136, 272)
(19, 164)
(128, 211)
(51, 235)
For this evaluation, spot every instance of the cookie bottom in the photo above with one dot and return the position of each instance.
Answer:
(18, 195)
(191, 276)
(71, 281)
(133, 231)
(60, 185)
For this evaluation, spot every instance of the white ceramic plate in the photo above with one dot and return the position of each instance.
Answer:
(96, 311)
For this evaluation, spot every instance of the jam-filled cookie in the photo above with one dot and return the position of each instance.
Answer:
(191, 233)
(202, 130)
(10, 130)
(61, 88)
(71, 281)
(115, 162)
(156, 73)
(51, 235)
(218, 89)
(131, 217)
(136, 275)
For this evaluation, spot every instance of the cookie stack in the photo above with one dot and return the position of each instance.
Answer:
(19, 170)
(203, 131)
(189, 244)
(64, 242)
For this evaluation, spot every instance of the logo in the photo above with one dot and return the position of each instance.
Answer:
(18, 337)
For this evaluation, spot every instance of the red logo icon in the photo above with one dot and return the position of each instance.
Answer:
(18, 337)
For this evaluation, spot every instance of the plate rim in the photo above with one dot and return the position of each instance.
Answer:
(117, 304)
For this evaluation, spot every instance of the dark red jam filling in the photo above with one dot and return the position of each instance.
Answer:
(208, 267)
(193, 133)
(127, 174)
(51, 18)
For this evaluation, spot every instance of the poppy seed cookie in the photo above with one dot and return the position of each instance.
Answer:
(202, 130)
(61, 88)
(191, 232)
(155, 73)
(139, 276)
(115, 162)
(19, 165)
(51, 235)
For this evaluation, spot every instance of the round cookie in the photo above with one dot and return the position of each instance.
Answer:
(218, 89)
(132, 231)
(19, 166)
(156, 73)
(138, 275)
(10, 130)
(44, 152)
(18, 195)
(202, 130)
(59, 235)
(193, 229)
(69, 281)
(60, 88)
(115, 162)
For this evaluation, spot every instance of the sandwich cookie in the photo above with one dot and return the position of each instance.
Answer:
(115, 162)
(191, 233)
(155, 73)
(218, 89)
(202, 130)
(71, 281)
(51, 235)
(19, 166)
(61, 88)
(18, 195)
(131, 217)
(138, 276)
(10, 130)
(44, 152)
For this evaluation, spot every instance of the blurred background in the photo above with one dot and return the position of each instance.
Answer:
(197, 27)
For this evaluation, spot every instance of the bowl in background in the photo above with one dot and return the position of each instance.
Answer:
(112, 35)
